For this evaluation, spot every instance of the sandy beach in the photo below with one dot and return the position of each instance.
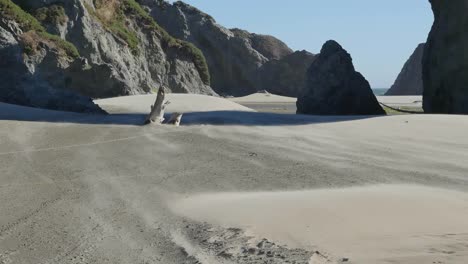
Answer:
(271, 103)
(231, 185)
(372, 224)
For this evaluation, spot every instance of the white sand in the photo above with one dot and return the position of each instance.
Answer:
(415, 101)
(264, 102)
(373, 224)
(263, 98)
(410, 101)
(95, 189)
(179, 103)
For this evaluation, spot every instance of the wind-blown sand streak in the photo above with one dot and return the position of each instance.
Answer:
(97, 197)
(372, 224)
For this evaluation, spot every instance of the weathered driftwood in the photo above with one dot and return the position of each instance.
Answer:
(175, 119)
(157, 110)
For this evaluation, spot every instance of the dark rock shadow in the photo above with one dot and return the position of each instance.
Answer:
(29, 114)
(216, 118)
(243, 118)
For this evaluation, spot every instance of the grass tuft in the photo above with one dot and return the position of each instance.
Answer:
(112, 16)
(391, 111)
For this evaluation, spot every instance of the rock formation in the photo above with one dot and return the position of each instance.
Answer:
(240, 62)
(25, 54)
(409, 81)
(286, 76)
(335, 88)
(445, 62)
(269, 46)
(94, 48)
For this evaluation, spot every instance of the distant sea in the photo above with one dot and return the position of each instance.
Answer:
(380, 91)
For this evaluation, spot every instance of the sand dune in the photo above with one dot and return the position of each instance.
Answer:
(99, 189)
(265, 102)
(372, 224)
(410, 101)
(272, 98)
(179, 103)
(263, 98)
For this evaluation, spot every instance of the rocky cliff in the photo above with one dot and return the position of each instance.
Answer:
(96, 48)
(409, 81)
(269, 46)
(445, 62)
(286, 76)
(30, 58)
(335, 88)
(240, 62)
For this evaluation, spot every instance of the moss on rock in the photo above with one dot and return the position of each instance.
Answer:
(29, 23)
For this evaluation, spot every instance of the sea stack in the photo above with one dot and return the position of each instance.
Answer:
(334, 87)
(409, 81)
(445, 61)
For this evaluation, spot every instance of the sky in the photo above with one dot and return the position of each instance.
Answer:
(380, 35)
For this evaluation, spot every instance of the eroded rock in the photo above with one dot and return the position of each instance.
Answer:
(445, 62)
(409, 81)
(334, 87)
(240, 62)
(21, 78)
(124, 55)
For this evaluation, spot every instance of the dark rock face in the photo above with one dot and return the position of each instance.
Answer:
(286, 76)
(445, 63)
(269, 46)
(22, 83)
(335, 88)
(240, 62)
(409, 81)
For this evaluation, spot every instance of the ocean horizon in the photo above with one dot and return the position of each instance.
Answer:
(380, 91)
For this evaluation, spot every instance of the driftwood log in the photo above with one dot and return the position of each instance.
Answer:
(157, 110)
(175, 119)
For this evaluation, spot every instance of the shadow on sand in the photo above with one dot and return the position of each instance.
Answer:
(225, 118)
(260, 118)
(30, 114)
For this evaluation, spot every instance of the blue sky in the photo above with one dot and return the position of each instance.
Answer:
(379, 34)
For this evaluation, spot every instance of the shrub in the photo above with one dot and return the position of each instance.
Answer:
(66, 46)
(27, 22)
(53, 14)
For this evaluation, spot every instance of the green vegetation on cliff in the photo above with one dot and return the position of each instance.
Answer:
(34, 29)
(53, 14)
(170, 42)
(113, 14)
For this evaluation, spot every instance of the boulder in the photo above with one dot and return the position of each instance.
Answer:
(409, 81)
(445, 61)
(335, 88)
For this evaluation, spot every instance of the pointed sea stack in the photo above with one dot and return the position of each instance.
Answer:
(335, 88)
